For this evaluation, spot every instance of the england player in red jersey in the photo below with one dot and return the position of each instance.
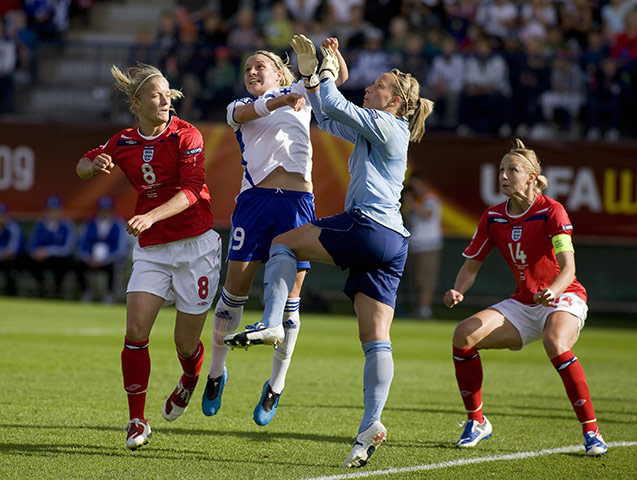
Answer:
(533, 233)
(177, 256)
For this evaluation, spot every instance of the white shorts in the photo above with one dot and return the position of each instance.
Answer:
(529, 320)
(185, 272)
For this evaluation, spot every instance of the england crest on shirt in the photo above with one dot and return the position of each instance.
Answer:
(149, 151)
(516, 233)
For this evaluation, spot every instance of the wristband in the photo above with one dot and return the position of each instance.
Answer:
(550, 293)
(261, 108)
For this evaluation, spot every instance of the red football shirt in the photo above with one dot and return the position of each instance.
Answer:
(525, 242)
(158, 168)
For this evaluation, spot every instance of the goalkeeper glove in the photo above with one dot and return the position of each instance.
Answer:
(330, 65)
(307, 60)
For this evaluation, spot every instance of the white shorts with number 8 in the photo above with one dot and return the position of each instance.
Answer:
(185, 272)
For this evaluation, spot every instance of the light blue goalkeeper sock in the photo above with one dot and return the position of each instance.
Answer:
(278, 280)
(377, 377)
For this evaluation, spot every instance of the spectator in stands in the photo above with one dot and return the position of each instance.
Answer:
(533, 79)
(485, 105)
(498, 18)
(244, 36)
(576, 20)
(11, 249)
(102, 248)
(49, 18)
(51, 247)
(304, 11)
(613, 16)
(369, 62)
(459, 16)
(606, 93)
(27, 43)
(625, 45)
(278, 30)
(356, 30)
(339, 12)
(166, 39)
(422, 210)
(213, 31)
(562, 103)
(380, 12)
(8, 63)
(219, 83)
(413, 56)
(536, 17)
(445, 82)
(396, 41)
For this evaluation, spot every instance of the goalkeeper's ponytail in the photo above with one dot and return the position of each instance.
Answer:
(414, 108)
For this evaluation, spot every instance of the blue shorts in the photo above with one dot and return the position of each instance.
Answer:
(375, 255)
(263, 213)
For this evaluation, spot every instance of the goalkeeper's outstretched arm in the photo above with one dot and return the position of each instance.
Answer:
(343, 73)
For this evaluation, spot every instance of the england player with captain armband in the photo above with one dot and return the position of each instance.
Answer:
(533, 234)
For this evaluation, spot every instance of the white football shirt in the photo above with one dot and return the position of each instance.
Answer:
(281, 139)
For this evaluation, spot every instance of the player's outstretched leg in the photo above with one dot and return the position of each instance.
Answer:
(279, 278)
(256, 334)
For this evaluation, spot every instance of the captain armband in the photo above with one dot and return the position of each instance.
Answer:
(261, 108)
(562, 243)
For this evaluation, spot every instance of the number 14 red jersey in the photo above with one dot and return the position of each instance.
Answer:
(158, 168)
(525, 243)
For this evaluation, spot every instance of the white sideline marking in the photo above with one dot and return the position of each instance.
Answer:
(465, 461)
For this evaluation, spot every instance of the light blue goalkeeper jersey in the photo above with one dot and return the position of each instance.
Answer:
(378, 162)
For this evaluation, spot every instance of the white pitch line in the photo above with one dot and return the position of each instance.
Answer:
(464, 461)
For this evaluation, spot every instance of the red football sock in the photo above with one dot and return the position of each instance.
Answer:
(572, 373)
(136, 372)
(191, 367)
(469, 376)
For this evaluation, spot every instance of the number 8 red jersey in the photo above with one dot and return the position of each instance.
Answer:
(525, 243)
(159, 167)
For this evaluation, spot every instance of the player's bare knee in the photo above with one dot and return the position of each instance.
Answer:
(462, 336)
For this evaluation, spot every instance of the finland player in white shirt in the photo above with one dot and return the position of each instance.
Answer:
(272, 127)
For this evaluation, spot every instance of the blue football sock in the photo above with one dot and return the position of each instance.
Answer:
(278, 280)
(377, 377)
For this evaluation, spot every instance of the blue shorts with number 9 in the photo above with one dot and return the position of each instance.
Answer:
(263, 213)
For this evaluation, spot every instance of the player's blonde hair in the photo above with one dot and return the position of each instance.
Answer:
(131, 81)
(414, 108)
(532, 164)
(287, 77)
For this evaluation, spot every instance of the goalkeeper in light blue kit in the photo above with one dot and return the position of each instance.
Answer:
(369, 238)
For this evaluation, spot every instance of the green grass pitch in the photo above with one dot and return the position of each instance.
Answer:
(62, 404)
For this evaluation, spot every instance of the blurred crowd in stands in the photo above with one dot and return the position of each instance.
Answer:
(61, 259)
(530, 67)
